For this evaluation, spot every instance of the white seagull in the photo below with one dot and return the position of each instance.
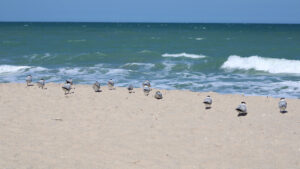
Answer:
(282, 105)
(207, 102)
(158, 95)
(66, 88)
(70, 81)
(110, 84)
(130, 88)
(146, 83)
(28, 80)
(41, 83)
(96, 86)
(242, 109)
(146, 90)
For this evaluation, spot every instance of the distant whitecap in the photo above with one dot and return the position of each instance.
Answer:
(199, 38)
(176, 55)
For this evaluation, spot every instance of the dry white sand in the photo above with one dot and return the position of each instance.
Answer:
(44, 129)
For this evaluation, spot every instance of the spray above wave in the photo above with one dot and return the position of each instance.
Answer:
(193, 56)
(258, 63)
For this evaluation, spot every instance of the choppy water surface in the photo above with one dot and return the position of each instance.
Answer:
(226, 58)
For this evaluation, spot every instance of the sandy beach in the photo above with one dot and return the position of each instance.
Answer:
(44, 129)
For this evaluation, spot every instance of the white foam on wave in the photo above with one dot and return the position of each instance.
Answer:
(12, 68)
(117, 72)
(199, 38)
(70, 71)
(144, 65)
(194, 56)
(18, 69)
(145, 51)
(37, 69)
(270, 65)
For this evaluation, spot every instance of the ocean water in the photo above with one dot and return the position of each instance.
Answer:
(250, 59)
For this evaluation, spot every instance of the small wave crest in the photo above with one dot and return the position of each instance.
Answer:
(199, 38)
(134, 64)
(145, 51)
(194, 56)
(271, 65)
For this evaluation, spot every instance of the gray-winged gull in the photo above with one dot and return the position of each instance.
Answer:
(66, 88)
(96, 86)
(207, 102)
(158, 95)
(130, 88)
(146, 83)
(41, 83)
(28, 80)
(282, 105)
(70, 81)
(146, 90)
(110, 84)
(242, 109)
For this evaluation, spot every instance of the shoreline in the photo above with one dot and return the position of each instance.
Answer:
(115, 129)
(156, 89)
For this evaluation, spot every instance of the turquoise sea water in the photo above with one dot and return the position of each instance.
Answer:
(252, 59)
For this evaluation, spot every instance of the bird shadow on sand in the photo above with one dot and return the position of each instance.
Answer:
(29, 85)
(242, 114)
(283, 112)
(98, 91)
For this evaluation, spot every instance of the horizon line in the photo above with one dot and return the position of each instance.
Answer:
(149, 22)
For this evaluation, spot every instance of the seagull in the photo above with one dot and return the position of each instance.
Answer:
(130, 88)
(96, 86)
(146, 83)
(29, 80)
(158, 95)
(41, 83)
(66, 88)
(110, 84)
(282, 105)
(242, 109)
(146, 90)
(207, 101)
(70, 81)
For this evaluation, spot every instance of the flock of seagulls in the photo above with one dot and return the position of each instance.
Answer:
(67, 86)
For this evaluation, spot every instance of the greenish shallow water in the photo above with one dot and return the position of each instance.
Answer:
(253, 59)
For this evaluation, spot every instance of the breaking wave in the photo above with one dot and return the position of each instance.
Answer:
(271, 65)
(4, 69)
